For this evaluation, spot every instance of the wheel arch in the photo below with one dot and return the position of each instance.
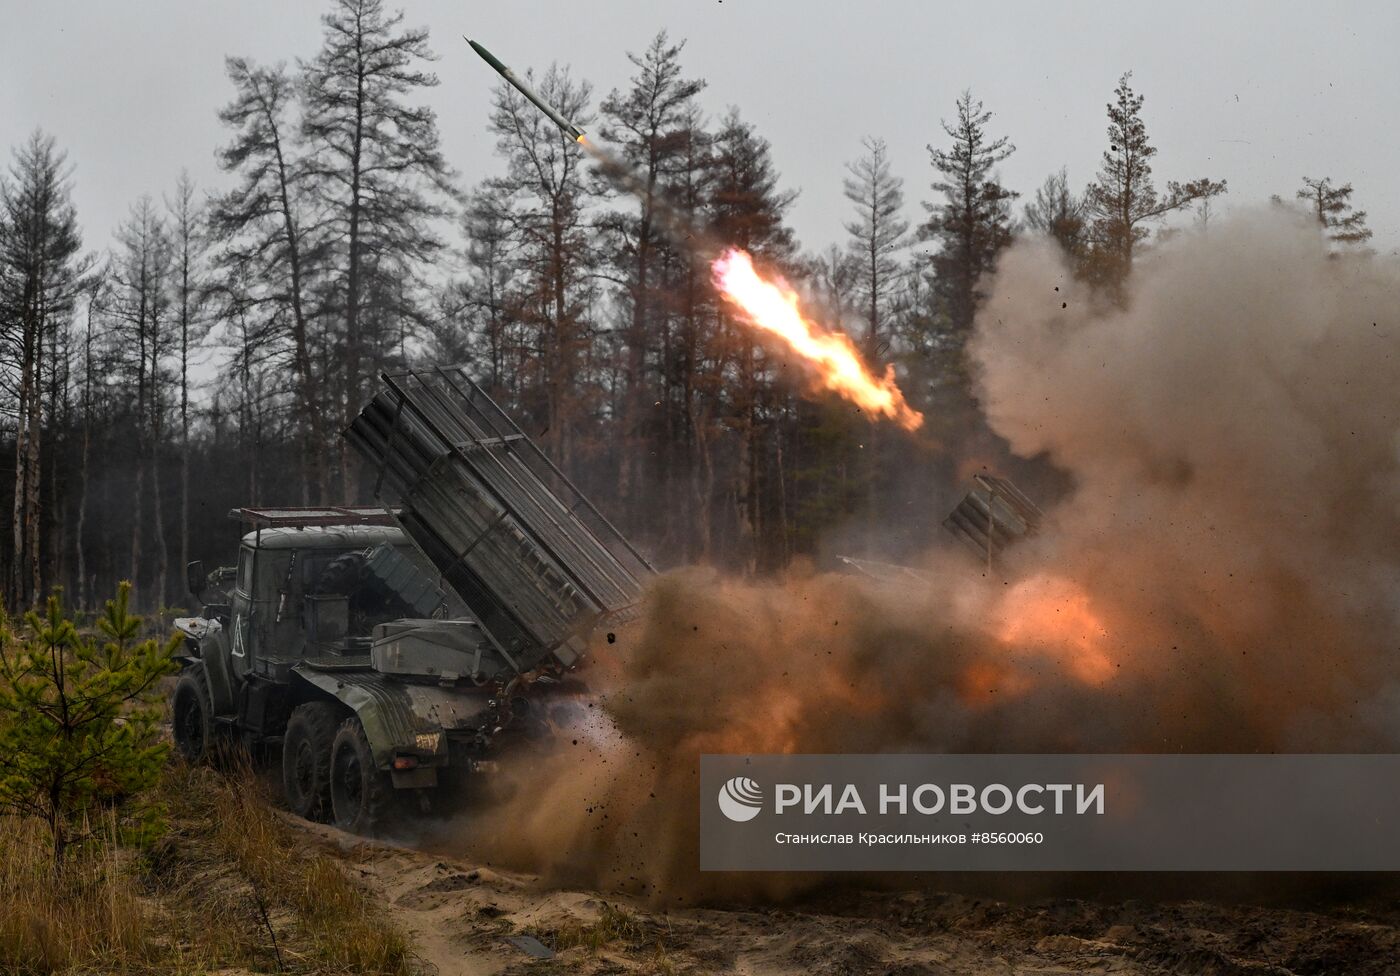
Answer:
(210, 654)
(384, 710)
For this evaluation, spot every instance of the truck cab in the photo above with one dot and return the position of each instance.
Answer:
(306, 592)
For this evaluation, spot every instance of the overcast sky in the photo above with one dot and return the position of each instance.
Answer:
(1256, 93)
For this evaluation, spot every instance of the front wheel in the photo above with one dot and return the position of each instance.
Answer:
(192, 716)
(361, 795)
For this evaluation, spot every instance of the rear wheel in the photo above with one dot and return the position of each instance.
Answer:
(192, 716)
(361, 795)
(306, 759)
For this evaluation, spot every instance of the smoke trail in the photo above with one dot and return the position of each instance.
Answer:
(1223, 577)
(666, 218)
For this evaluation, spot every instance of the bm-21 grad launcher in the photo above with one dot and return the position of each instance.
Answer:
(382, 652)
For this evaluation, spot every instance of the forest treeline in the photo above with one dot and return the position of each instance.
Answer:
(208, 355)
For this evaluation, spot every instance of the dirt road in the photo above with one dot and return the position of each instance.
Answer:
(461, 915)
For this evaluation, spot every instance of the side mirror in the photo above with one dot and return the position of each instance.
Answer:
(195, 579)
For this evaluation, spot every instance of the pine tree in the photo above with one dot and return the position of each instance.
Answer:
(1122, 201)
(1331, 205)
(189, 240)
(972, 224)
(476, 321)
(265, 256)
(141, 278)
(545, 198)
(41, 274)
(650, 124)
(747, 211)
(98, 296)
(376, 167)
(691, 379)
(1058, 213)
(877, 236)
(78, 716)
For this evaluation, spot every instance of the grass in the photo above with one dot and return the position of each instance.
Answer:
(615, 929)
(228, 885)
(64, 922)
(612, 927)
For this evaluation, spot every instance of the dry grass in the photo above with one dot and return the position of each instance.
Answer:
(617, 930)
(614, 927)
(69, 921)
(229, 885)
(333, 919)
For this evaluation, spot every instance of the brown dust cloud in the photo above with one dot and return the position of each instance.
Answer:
(1224, 575)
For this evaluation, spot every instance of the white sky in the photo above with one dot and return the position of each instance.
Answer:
(1257, 93)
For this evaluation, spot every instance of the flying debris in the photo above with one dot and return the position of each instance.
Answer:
(568, 128)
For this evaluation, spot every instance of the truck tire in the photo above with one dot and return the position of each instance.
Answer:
(192, 716)
(306, 759)
(362, 798)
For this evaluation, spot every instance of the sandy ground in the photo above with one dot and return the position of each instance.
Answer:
(460, 916)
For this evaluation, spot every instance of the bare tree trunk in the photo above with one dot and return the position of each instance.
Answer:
(186, 244)
(138, 494)
(184, 471)
(246, 419)
(84, 593)
(18, 597)
(56, 534)
(704, 480)
(137, 506)
(33, 502)
(631, 485)
(162, 552)
(751, 532)
(353, 349)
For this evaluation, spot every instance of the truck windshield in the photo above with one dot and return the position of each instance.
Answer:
(329, 573)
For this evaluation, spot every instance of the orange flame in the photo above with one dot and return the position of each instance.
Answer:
(1052, 617)
(773, 308)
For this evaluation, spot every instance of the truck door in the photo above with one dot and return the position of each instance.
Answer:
(241, 640)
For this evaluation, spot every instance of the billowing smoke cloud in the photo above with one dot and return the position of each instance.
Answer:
(1235, 441)
(1224, 576)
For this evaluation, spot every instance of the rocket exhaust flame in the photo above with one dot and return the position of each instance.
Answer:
(830, 355)
(772, 307)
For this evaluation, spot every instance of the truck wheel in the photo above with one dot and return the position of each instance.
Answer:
(306, 759)
(361, 795)
(192, 716)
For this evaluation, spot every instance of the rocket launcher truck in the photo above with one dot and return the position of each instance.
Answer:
(386, 653)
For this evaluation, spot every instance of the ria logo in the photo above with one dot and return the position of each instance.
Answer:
(740, 799)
